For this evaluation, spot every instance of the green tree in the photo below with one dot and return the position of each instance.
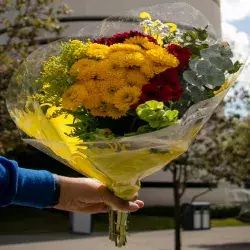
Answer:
(220, 152)
(22, 23)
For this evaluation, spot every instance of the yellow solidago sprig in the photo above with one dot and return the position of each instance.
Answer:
(73, 51)
(55, 76)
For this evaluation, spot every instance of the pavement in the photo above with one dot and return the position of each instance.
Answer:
(231, 238)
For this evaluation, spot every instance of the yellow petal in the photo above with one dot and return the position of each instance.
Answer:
(145, 15)
(172, 26)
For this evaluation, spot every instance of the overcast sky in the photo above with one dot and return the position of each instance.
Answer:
(236, 27)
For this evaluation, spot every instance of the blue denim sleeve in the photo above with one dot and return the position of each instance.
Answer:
(25, 187)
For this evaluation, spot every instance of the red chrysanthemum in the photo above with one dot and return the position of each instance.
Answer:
(183, 55)
(164, 87)
(121, 37)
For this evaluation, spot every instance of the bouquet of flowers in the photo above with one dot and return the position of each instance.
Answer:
(119, 106)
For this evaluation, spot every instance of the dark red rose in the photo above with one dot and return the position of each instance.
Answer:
(183, 55)
(121, 37)
(166, 93)
(150, 91)
(164, 87)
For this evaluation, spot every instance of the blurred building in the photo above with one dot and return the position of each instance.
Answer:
(95, 9)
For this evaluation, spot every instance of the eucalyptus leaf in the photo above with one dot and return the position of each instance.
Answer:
(217, 48)
(193, 63)
(190, 76)
(207, 53)
(213, 70)
(217, 79)
(197, 94)
(202, 67)
(226, 52)
(194, 79)
(221, 62)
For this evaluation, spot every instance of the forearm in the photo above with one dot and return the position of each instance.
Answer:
(19, 186)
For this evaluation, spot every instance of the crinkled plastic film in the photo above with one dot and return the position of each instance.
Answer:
(121, 163)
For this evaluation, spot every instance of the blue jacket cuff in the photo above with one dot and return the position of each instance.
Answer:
(35, 188)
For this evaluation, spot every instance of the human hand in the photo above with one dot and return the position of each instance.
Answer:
(86, 195)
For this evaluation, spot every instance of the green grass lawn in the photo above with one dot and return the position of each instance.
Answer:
(230, 222)
(32, 221)
(142, 223)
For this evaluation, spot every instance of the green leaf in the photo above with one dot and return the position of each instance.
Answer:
(171, 114)
(217, 79)
(226, 52)
(203, 67)
(197, 94)
(189, 37)
(207, 53)
(154, 105)
(156, 114)
(236, 67)
(221, 63)
(202, 34)
(192, 78)
(203, 46)
(193, 63)
(195, 49)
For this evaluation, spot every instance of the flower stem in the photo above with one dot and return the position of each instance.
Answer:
(118, 227)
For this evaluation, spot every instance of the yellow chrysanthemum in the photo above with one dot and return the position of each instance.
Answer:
(109, 71)
(141, 41)
(107, 110)
(109, 87)
(127, 60)
(159, 68)
(161, 57)
(136, 78)
(93, 99)
(91, 86)
(125, 47)
(84, 69)
(115, 113)
(147, 69)
(97, 51)
(126, 97)
(222, 88)
(74, 96)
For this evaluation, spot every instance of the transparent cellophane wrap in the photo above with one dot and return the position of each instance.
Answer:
(122, 163)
